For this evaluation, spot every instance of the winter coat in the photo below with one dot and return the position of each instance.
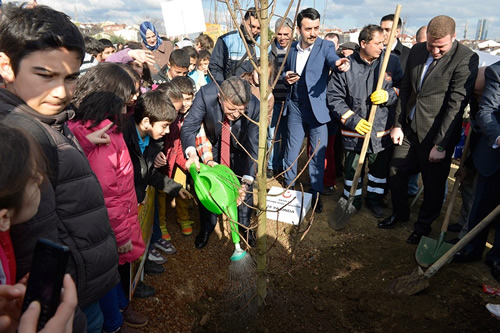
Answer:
(144, 171)
(349, 101)
(72, 209)
(113, 167)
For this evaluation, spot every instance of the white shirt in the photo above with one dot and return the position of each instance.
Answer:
(426, 66)
(302, 57)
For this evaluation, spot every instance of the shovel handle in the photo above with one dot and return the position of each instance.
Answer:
(444, 227)
(461, 243)
(373, 108)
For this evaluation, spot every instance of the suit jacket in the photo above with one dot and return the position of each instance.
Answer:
(207, 110)
(402, 52)
(440, 101)
(321, 60)
(487, 158)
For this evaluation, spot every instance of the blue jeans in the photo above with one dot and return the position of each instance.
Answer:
(413, 184)
(277, 154)
(111, 303)
(301, 121)
(94, 318)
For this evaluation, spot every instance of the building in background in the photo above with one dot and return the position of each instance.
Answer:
(482, 29)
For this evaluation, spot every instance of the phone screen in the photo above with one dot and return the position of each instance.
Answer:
(46, 278)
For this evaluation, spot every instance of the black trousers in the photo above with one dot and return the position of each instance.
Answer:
(409, 158)
(486, 199)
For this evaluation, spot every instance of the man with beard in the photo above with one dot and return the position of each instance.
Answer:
(307, 111)
(350, 98)
(230, 57)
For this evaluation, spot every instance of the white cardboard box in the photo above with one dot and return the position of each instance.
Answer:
(277, 199)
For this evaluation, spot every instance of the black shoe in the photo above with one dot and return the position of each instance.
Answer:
(328, 190)
(376, 209)
(144, 291)
(270, 173)
(466, 255)
(414, 238)
(495, 270)
(389, 222)
(319, 206)
(455, 227)
(152, 268)
(201, 240)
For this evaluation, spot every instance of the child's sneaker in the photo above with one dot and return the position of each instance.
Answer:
(186, 227)
(155, 256)
(165, 246)
(166, 236)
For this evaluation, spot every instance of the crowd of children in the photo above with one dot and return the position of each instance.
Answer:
(99, 120)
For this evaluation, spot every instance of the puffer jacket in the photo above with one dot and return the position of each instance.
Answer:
(113, 167)
(72, 209)
(349, 101)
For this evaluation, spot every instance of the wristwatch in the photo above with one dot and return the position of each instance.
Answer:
(440, 148)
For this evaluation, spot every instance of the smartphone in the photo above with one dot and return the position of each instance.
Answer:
(46, 278)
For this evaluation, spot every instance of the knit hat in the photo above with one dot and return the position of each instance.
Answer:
(145, 26)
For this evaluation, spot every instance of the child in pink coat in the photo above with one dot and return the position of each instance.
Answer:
(100, 102)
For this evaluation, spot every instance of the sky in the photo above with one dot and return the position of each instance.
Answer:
(343, 14)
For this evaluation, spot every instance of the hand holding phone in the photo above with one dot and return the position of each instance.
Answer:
(46, 279)
(62, 322)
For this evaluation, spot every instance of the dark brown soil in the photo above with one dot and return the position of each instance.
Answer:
(337, 282)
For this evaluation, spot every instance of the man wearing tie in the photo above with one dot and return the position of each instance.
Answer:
(220, 112)
(436, 88)
(307, 70)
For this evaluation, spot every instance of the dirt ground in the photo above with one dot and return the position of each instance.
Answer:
(337, 282)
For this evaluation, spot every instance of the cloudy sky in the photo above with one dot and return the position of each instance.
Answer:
(343, 14)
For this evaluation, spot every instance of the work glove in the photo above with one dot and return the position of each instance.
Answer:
(363, 127)
(379, 96)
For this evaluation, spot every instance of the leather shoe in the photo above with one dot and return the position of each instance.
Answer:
(466, 255)
(201, 240)
(389, 222)
(495, 270)
(328, 190)
(414, 238)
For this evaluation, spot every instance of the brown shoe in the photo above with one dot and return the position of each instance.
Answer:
(134, 319)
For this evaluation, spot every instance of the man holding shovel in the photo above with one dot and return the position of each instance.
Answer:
(434, 92)
(350, 96)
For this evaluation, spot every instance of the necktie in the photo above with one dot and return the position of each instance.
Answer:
(225, 144)
(429, 70)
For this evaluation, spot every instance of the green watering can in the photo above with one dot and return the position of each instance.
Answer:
(217, 189)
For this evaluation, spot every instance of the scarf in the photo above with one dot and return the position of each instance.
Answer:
(145, 26)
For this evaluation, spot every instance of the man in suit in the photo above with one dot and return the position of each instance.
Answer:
(216, 109)
(397, 48)
(487, 162)
(307, 110)
(436, 87)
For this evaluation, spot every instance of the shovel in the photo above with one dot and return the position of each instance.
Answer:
(418, 280)
(344, 209)
(430, 250)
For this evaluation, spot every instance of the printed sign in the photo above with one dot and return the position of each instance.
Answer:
(287, 206)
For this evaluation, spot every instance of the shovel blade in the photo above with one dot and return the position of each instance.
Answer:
(409, 284)
(430, 250)
(341, 214)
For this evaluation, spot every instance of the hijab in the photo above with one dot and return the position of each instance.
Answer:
(145, 26)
